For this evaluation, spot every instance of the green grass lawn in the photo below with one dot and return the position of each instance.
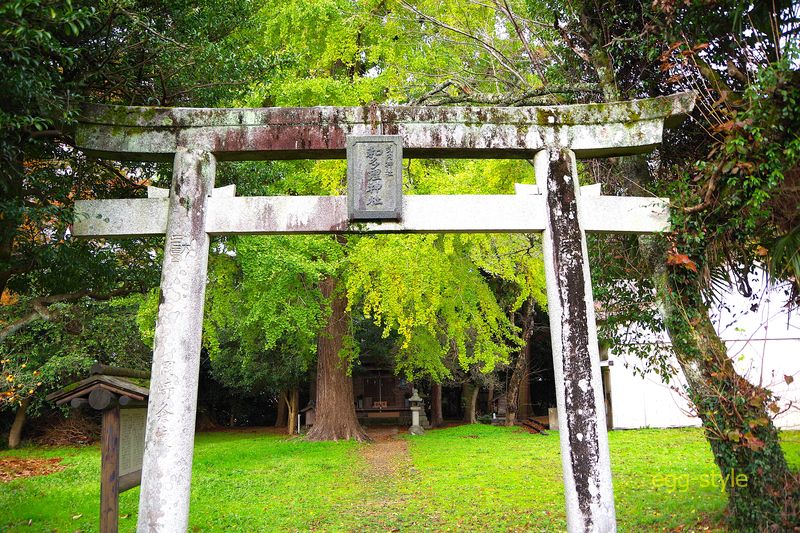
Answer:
(475, 478)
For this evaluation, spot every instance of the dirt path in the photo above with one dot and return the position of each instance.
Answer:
(387, 456)
(389, 468)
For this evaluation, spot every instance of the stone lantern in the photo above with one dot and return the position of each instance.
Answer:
(416, 407)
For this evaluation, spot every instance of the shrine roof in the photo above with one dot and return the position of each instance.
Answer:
(83, 388)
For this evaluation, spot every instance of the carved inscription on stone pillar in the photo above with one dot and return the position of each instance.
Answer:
(178, 246)
(375, 177)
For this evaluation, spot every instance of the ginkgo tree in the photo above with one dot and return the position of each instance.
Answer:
(352, 53)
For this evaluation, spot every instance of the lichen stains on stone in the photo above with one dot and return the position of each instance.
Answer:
(161, 117)
(177, 183)
(299, 133)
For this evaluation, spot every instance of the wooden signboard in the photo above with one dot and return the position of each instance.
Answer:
(124, 407)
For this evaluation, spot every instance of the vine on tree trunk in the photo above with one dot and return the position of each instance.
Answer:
(733, 412)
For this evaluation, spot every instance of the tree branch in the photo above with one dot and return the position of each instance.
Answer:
(49, 134)
(126, 180)
(569, 42)
(439, 88)
(18, 324)
(502, 100)
(506, 9)
(492, 50)
(708, 197)
(41, 306)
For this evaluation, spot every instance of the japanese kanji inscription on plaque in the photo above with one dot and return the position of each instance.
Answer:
(374, 177)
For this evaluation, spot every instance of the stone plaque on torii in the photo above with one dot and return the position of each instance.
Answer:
(377, 138)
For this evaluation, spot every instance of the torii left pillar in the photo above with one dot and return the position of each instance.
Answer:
(169, 441)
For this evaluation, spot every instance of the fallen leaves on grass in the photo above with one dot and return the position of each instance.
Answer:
(16, 467)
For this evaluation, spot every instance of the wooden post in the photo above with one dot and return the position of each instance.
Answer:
(129, 481)
(585, 456)
(172, 405)
(109, 476)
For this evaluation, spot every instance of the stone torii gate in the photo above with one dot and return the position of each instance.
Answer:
(375, 139)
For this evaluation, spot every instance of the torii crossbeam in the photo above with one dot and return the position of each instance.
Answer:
(195, 139)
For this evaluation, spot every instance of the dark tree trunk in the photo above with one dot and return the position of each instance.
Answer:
(469, 397)
(519, 376)
(312, 386)
(524, 398)
(234, 406)
(490, 399)
(336, 413)
(281, 417)
(292, 401)
(15, 434)
(437, 420)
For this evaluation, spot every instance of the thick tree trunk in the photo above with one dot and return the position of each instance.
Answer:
(437, 420)
(490, 399)
(336, 413)
(520, 374)
(15, 434)
(469, 396)
(733, 411)
(281, 417)
(512, 394)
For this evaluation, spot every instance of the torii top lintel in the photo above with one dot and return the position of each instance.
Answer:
(590, 130)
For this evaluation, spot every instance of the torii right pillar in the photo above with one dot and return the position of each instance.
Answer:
(576, 361)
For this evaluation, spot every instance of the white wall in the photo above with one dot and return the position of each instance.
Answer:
(638, 402)
(764, 345)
